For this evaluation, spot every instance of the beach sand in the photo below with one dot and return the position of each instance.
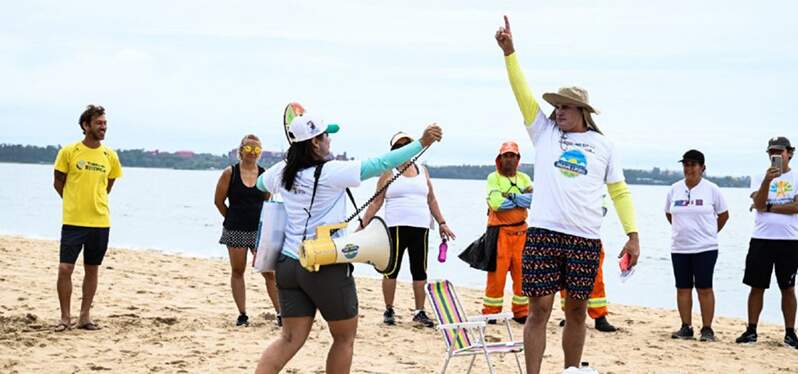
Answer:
(174, 314)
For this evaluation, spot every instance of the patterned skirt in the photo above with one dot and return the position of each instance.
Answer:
(239, 239)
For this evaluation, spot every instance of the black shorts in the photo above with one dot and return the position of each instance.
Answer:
(764, 255)
(93, 239)
(415, 240)
(694, 269)
(331, 290)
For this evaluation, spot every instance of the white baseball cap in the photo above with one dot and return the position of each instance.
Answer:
(308, 127)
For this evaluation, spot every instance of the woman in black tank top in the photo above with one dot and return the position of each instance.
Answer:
(241, 218)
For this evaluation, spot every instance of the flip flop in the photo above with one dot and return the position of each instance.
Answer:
(91, 326)
(61, 327)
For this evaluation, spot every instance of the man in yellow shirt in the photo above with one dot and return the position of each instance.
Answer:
(84, 174)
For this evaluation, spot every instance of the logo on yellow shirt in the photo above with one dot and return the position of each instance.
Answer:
(90, 166)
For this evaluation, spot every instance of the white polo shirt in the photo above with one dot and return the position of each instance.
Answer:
(694, 216)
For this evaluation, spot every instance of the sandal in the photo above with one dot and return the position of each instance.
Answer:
(61, 327)
(91, 326)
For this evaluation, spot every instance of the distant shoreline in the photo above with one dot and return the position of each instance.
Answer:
(654, 177)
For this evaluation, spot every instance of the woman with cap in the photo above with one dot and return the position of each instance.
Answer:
(697, 212)
(410, 206)
(313, 190)
(241, 217)
(575, 166)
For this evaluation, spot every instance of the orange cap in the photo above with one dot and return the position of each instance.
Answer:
(509, 146)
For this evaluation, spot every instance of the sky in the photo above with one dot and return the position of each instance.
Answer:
(718, 76)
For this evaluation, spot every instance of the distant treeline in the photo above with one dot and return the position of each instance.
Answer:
(132, 157)
(199, 161)
(655, 176)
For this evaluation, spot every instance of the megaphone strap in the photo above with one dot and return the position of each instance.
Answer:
(316, 175)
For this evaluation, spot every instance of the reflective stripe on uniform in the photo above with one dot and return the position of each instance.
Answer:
(492, 301)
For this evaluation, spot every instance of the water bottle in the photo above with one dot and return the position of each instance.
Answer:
(442, 251)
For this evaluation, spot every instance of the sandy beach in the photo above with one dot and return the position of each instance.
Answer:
(174, 314)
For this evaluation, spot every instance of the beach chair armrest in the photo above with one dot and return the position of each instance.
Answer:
(461, 325)
(491, 317)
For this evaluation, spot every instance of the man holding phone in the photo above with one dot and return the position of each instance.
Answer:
(774, 242)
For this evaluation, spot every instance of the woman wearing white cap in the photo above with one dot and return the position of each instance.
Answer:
(410, 205)
(313, 191)
(697, 212)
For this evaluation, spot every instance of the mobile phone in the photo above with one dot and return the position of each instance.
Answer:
(775, 161)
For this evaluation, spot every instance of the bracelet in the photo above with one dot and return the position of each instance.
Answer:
(441, 223)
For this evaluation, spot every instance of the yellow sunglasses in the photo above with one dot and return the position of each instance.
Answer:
(251, 149)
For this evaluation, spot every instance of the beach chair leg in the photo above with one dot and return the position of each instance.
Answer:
(473, 358)
(487, 358)
(518, 361)
(445, 364)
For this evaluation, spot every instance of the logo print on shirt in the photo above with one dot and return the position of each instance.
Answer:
(572, 163)
(781, 188)
(697, 202)
(90, 166)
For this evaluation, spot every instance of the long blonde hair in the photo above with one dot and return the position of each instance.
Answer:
(244, 140)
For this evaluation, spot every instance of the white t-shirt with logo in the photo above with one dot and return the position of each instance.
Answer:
(329, 206)
(571, 174)
(694, 216)
(777, 226)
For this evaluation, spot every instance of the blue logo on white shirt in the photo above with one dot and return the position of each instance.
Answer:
(572, 163)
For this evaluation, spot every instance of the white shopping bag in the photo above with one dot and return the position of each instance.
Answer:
(271, 233)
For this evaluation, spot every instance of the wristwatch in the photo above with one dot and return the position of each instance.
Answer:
(768, 206)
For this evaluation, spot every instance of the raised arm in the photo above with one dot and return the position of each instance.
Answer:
(375, 166)
(761, 196)
(523, 95)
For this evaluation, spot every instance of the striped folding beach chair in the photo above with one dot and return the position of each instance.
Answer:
(465, 336)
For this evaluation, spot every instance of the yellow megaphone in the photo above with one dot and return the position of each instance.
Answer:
(372, 246)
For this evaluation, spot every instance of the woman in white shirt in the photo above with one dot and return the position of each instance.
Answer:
(697, 212)
(313, 188)
(410, 205)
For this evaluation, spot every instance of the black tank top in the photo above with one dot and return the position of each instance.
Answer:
(245, 203)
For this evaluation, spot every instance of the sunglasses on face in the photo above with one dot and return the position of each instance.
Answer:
(251, 149)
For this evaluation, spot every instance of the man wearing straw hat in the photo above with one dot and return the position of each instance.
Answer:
(574, 162)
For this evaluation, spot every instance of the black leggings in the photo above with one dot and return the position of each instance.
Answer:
(414, 239)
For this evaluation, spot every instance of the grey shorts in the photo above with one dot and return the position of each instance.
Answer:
(331, 290)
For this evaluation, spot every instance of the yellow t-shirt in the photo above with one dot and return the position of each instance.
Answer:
(85, 191)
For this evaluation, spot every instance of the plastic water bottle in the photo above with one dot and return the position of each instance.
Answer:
(442, 251)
